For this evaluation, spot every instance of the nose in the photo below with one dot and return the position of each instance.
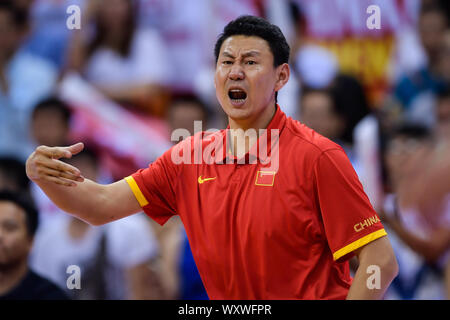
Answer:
(236, 72)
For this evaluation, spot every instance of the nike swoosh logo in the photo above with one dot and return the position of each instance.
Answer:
(200, 180)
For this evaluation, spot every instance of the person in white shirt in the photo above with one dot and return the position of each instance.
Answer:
(115, 261)
(125, 63)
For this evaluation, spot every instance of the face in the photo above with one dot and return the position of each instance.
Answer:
(431, 29)
(317, 112)
(399, 154)
(183, 114)
(246, 79)
(49, 128)
(115, 13)
(15, 243)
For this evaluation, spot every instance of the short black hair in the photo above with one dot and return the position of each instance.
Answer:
(56, 104)
(259, 27)
(19, 16)
(411, 130)
(443, 93)
(25, 203)
(14, 170)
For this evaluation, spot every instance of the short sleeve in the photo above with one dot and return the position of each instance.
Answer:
(348, 218)
(154, 188)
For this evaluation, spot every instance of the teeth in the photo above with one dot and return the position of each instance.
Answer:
(237, 95)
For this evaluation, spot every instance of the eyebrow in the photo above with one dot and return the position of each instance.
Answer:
(251, 53)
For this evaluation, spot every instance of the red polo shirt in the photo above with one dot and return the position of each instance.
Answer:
(259, 234)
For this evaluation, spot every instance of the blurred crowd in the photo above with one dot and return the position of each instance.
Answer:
(138, 69)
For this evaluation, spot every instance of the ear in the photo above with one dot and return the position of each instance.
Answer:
(283, 73)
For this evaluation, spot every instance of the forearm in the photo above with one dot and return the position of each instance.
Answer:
(366, 288)
(85, 201)
(431, 249)
(63, 184)
(132, 93)
(377, 268)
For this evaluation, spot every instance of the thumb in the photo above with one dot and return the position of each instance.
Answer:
(75, 148)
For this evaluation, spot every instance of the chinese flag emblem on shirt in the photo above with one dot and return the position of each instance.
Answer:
(265, 178)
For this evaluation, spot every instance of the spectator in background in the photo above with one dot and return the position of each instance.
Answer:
(430, 183)
(416, 92)
(49, 37)
(125, 63)
(181, 279)
(368, 54)
(421, 240)
(18, 223)
(115, 260)
(50, 125)
(189, 30)
(321, 112)
(184, 111)
(24, 79)
(50, 122)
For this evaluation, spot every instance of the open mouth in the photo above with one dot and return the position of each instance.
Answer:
(237, 96)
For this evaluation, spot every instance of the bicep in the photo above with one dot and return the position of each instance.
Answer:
(378, 250)
(120, 201)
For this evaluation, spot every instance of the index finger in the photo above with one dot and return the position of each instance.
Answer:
(54, 152)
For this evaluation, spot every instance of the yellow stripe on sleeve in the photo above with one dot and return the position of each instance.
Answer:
(136, 191)
(359, 243)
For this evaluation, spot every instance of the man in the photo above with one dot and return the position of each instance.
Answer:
(18, 223)
(319, 112)
(255, 233)
(420, 238)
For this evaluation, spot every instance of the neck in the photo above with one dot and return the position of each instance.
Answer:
(11, 276)
(261, 121)
(114, 38)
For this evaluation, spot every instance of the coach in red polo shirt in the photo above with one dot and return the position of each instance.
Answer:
(272, 209)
